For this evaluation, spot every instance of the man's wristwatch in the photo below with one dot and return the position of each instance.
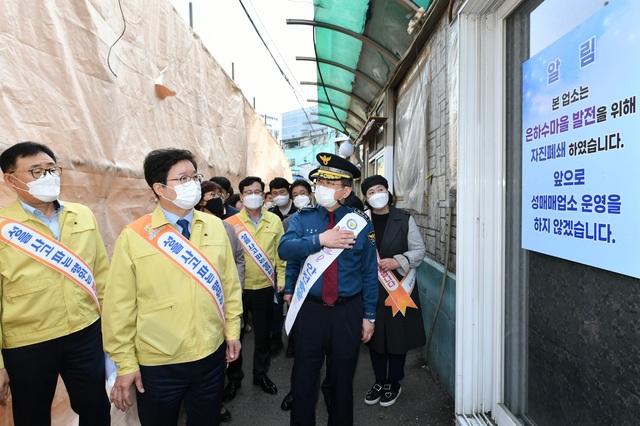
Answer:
(372, 321)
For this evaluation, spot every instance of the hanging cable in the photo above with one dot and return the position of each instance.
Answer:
(315, 49)
(124, 28)
(275, 61)
(298, 89)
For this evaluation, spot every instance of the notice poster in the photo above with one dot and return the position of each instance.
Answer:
(580, 143)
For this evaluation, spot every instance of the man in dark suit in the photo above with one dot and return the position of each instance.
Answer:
(227, 191)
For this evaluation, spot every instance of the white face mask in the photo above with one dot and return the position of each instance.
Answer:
(45, 189)
(325, 196)
(253, 201)
(269, 204)
(379, 200)
(301, 201)
(281, 200)
(187, 195)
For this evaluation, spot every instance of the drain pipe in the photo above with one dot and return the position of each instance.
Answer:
(449, 205)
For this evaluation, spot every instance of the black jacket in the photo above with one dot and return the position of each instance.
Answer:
(276, 210)
(396, 334)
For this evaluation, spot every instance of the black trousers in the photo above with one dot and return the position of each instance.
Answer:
(234, 369)
(335, 331)
(200, 384)
(278, 316)
(33, 373)
(387, 367)
(260, 304)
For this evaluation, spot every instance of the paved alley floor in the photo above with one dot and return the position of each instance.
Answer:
(422, 401)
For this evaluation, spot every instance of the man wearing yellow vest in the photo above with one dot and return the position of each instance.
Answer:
(259, 232)
(172, 302)
(53, 267)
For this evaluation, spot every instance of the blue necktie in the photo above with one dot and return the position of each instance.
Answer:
(184, 224)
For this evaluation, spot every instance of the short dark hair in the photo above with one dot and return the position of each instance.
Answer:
(353, 201)
(157, 164)
(208, 186)
(248, 181)
(233, 200)
(301, 182)
(224, 183)
(347, 182)
(10, 155)
(279, 183)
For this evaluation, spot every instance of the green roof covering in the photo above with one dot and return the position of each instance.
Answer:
(358, 45)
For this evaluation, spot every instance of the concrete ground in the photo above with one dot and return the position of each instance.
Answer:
(422, 401)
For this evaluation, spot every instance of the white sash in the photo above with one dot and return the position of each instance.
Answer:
(399, 298)
(253, 249)
(58, 257)
(185, 256)
(49, 252)
(316, 264)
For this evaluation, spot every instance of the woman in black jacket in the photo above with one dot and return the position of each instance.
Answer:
(399, 325)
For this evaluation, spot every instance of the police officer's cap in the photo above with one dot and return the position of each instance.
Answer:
(334, 167)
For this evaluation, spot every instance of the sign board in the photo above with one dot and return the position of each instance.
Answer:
(581, 143)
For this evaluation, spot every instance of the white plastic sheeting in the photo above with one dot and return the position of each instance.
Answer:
(411, 139)
(56, 88)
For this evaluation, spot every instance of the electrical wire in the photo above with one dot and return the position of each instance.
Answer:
(275, 61)
(118, 39)
(275, 46)
(315, 49)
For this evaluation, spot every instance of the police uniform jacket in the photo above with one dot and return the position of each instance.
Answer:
(154, 313)
(403, 242)
(38, 303)
(357, 267)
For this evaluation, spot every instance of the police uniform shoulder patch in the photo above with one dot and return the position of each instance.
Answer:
(372, 237)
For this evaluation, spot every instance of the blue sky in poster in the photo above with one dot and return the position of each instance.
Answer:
(610, 78)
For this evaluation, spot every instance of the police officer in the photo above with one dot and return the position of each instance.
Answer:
(330, 321)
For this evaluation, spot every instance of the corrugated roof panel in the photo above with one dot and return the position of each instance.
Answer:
(382, 24)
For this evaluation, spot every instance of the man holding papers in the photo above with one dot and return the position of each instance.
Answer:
(331, 257)
(172, 303)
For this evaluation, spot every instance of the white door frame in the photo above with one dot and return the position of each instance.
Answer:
(480, 213)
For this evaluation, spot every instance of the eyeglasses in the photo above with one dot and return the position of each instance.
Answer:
(256, 192)
(186, 178)
(329, 183)
(39, 172)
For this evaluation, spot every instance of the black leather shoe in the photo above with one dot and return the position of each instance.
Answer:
(266, 384)
(287, 402)
(225, 416)
(231, 390)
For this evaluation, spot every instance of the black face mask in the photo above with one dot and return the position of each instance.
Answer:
(215, 206)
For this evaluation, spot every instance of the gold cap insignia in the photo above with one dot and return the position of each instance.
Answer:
(325, 159)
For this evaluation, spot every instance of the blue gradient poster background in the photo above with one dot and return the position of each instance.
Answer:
(581, 154)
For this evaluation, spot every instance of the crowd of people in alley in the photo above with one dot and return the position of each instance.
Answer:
(211, 265)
